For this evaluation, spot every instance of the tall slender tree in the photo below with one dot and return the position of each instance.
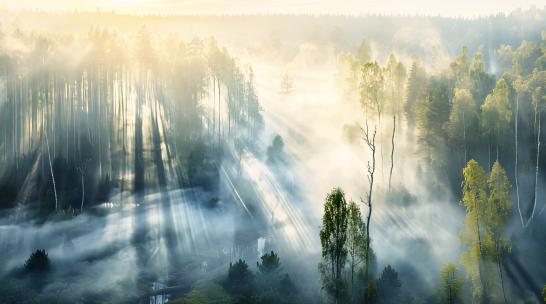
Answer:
(473, 234)
(333, 238)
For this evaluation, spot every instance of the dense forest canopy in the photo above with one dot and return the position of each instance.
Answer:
(272, 159)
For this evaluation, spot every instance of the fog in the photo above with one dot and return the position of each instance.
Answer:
(142, 151)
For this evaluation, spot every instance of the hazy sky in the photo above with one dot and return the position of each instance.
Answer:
(428, 7)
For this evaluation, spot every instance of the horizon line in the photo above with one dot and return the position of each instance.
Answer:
(122, 13)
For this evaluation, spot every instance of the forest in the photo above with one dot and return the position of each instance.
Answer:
(272, 159)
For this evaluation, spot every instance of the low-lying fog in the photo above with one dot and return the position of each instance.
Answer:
(180, 234)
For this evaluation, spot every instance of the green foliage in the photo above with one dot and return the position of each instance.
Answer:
(356, 247)
(333, 236)
(496, 110)
(395, 80)
(372, 88)
(267, 286)
(463, 119)
(370, 293)
(486, 215)
(287, 286)
(499, 205)
(474, 201)
(504, 55)
(356, 232)
(460, 67)
(416, 91)
(450, 284)
(270, 263)
(431, 118)
(525, 57)
(388, 286)
(205, 292)
(38, 261)
(240, 279)
(544, 293)
(480, 82)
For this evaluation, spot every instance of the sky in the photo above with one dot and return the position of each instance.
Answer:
(448, 8)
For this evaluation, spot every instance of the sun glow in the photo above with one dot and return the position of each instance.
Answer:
(126, 5)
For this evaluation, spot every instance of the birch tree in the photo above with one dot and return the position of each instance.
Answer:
(472, 236)
(333, 238)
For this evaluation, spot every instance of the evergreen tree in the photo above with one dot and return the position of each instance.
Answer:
(415, 92)
(270, 263)
(388, 286)
(431, 118)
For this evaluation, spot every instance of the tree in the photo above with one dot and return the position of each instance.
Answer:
(276, 150)
(38, 261)
(270, 263)
(520, 87)
(369, 139)
(356, 242)
(370, 293)
(431, 118)
(524, 58)
(240, 278)
(474, 201)
(460, 67)
(481, 82)
(463, 118)
(372, 88)
(496, 112)
(497, 213)
(287, 286)
(450, 284)
(416, 90)
(538, 102)
(505, 55)
(363, 52)
(396, 78)
(287, 85)
(333, 236)
(388, 286)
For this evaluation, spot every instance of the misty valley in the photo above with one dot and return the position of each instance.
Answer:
(272, 158)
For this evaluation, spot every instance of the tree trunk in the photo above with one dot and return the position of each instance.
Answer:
(370, 141)
(464, 138)
(51, 171)
(83, 191)
(536, 175)
(516, 160)
(392, 149)
(484, 292)
(500, 271)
